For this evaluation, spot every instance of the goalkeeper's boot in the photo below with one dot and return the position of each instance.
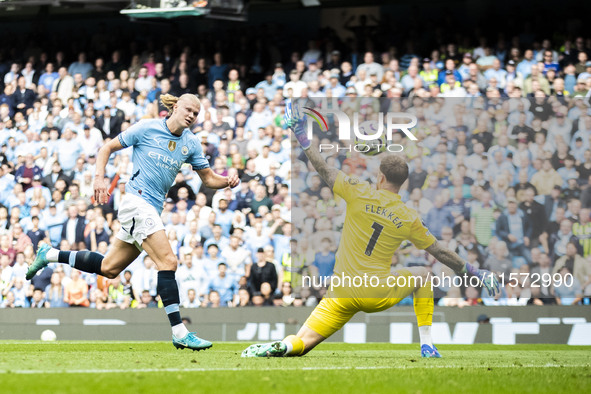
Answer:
(191, 341)
(40, 261)
(273, 349)
(429, 352)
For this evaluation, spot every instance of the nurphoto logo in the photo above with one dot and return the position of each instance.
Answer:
(366, 136)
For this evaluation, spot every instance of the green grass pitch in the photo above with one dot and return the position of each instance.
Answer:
(150, 367)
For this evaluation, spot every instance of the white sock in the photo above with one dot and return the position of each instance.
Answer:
(425, 334)
(52, 254)
(179, 331)
(289, 348)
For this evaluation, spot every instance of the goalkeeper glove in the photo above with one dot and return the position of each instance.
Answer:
(296, 121)
(487, 278)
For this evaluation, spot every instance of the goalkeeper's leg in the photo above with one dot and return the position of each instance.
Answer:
(423, 305)
(328, 317)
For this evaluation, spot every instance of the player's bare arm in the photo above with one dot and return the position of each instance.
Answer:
(326, 172)
(446, 256)
(460, 267)
(101, 193)
(215, 181)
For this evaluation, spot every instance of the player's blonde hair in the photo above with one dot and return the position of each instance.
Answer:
(169, 101)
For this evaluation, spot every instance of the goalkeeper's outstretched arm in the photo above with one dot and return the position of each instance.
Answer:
(326, 172)
(446, 257)
(296, 121)
(460, 267)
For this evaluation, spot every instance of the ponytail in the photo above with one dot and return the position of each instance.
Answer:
(168, 100)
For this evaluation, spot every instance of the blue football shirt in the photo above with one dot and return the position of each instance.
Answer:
(157, 158)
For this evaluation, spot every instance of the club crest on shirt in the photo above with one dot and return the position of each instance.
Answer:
(171, 145)
(352, 181)
(185, 150)
(150, 222)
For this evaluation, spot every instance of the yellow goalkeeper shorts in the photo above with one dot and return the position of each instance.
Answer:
(331, 314)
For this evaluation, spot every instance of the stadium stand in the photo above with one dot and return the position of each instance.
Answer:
(505, 183)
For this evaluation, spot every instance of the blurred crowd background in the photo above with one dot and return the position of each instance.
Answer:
(500, 172)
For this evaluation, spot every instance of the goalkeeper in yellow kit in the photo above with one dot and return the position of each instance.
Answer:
(376, 223)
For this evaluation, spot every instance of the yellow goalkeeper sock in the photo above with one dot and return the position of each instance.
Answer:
(295, 345)
(423, 303)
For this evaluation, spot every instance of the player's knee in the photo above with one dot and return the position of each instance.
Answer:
(168, 263)
(110, 273)
(424, 274)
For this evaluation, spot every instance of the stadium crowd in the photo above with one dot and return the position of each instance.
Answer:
(500, 173)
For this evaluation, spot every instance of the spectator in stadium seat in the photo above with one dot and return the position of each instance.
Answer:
(97, 234)
(268, 85)
(191, 273)
(56, 174)
(568, 293)
(237, 258)
(558, 240)
(54, 221)
(418, 176)
(191, 301)
(582, 229)
(145, 301)
(20, 240)
(482, 217)
(218, 238)
(579, 266)
(243, 297)
(110, 122)
(324, 260)
(260, 199)
(536, 215)
(261, 272)
(295, 86)
(76, 293)
(7, 249)
(498, 260)
(546, 179)
(68, 151)
(145, 278)
(26, 172)
(9, 301)
(225, 285)
(218, 70)
(73, 228)
(54, 292)
(439, 217)
(64, 85)
(117, 297)
(267, 293)
(515, 229)
(213, 259)
(22, 98)
(81, 66)
(312, 73)
(35, 234)
(48, 77)
(419, 203)
(369, 66)
(213, 299)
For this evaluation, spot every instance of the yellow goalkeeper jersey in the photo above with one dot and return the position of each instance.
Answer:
(376, 223)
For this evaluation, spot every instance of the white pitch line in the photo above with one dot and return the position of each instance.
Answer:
(343, 368)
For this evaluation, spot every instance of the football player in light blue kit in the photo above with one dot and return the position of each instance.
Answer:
(160, 148)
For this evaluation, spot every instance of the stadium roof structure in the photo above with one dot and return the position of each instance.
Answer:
(166, 13)
(165, 9)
